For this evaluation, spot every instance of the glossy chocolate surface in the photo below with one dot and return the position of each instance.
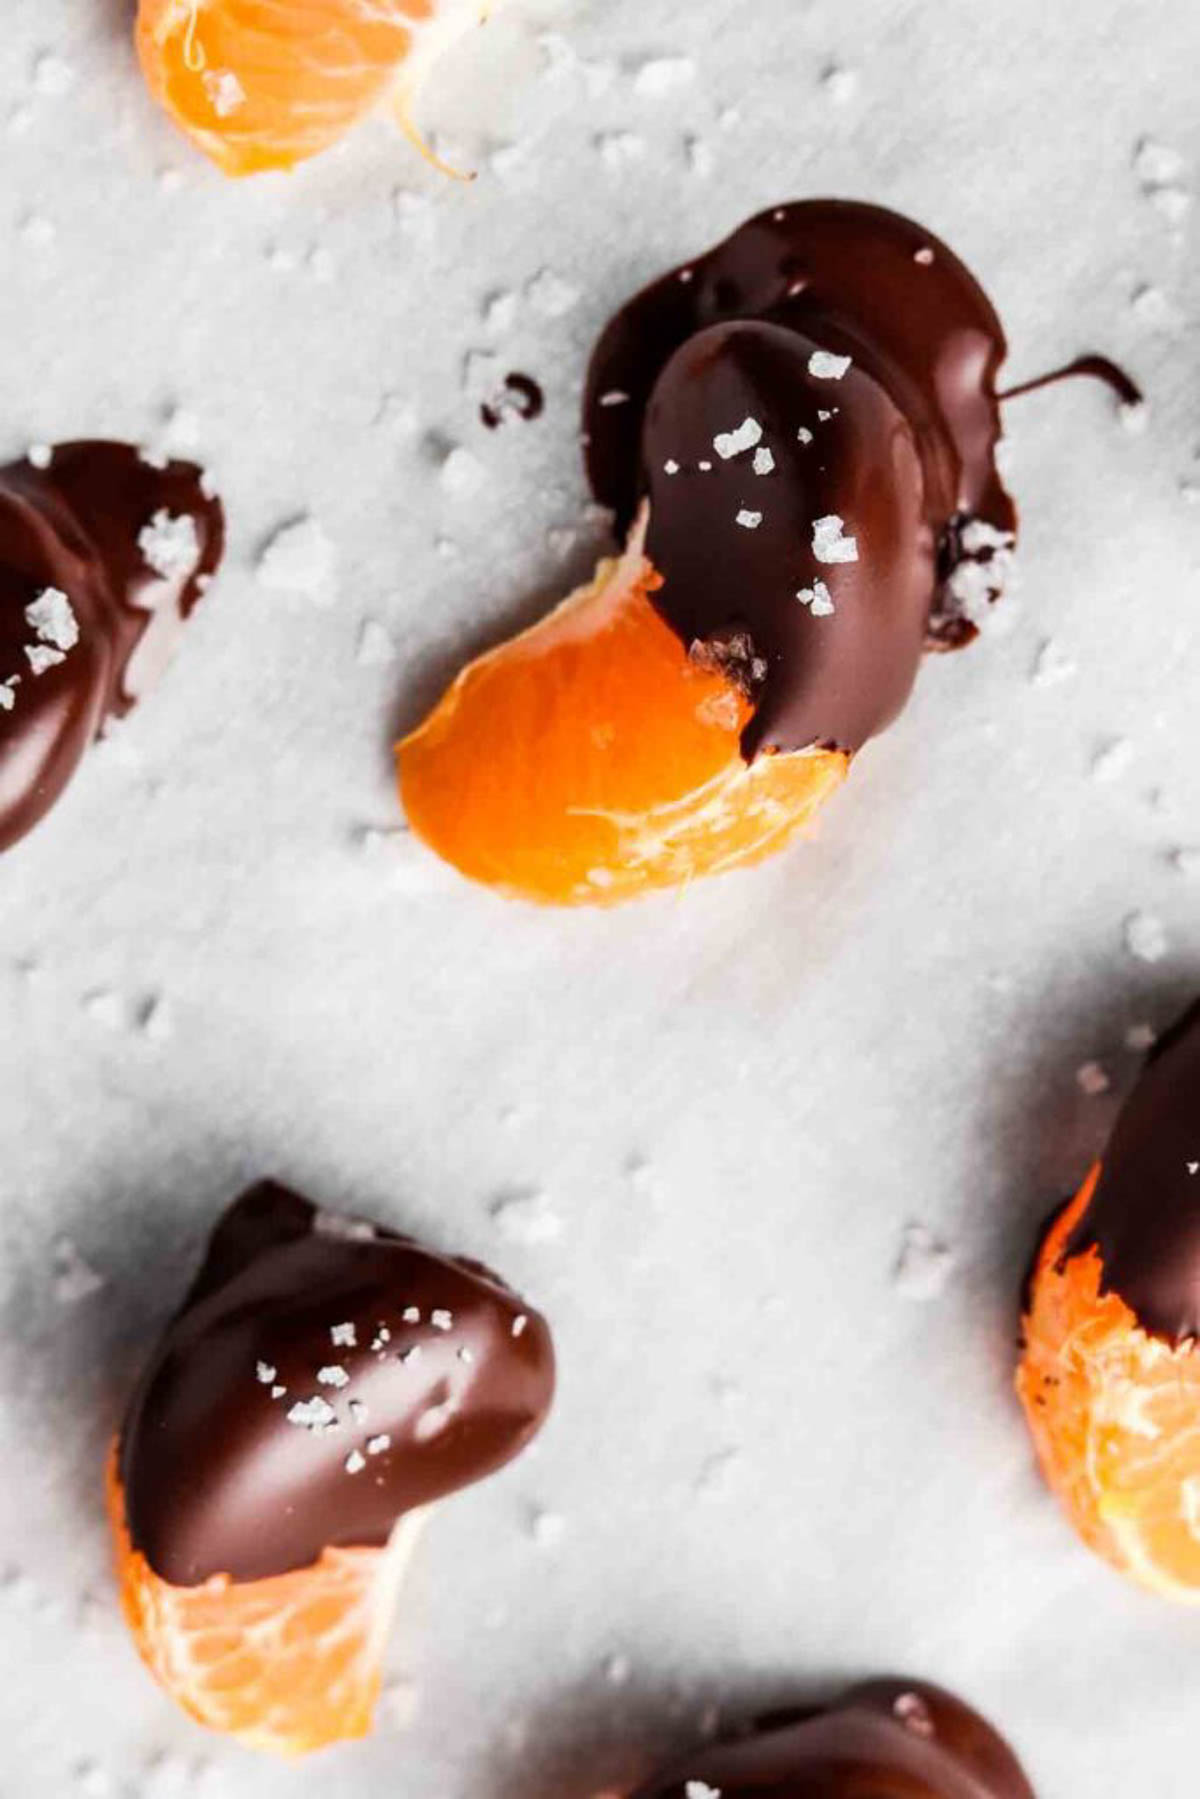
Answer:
(1144, 1216)
(887, 1739)
(447, 1378)
(124, 550)
(899, 450)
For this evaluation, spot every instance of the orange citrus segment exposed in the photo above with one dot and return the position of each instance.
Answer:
(289, 1664)
(1115, 1417)
(590, 759)
(264, 84)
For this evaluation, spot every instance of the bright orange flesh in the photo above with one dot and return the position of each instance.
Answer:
(264, 84)
(289, 1664)
(1115, 1416)
(589, 759)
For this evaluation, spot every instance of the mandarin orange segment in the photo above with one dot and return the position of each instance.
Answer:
(265, 84)
(591, 759)
(1115, 1417)
(288, 1664)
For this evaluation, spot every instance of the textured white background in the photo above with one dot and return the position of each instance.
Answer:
(773, 1470)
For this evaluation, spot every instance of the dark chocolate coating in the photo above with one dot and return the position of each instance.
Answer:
(1144, 1216)
(886, 1739)
(74, 526)
(905, 457)
(217, 1480)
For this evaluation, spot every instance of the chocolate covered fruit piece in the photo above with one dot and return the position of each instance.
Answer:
(324, 1383)
(259, 85)
(1110, 1368)
(886, 1739)
(103, 555)
(796, 435)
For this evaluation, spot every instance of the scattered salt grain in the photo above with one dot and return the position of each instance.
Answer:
(1146, 937)
(411, 1314)
(923, 1266)
(375, 645)
(728, 444)
(764, 462)
(225, 92)
(441, 1320)
(663, 75)
(299, 558)
(355, 1462)
(1113, 760)
(265, 1374)
(1140, 1037)
(699, 1789)
(614, 397)
(818, 599)
(343, 1336)
(40, 658)
(52, 76)
(550, 295)
(8, 697)
(314, 1414)
(52, 617)
(804, 435)
(914, 1714)
(170, 544)
(749, 521)
(547, 1528)
(39, 455)
(332, 1376)
(825, 366)
(1051, 667)
(670, 466)
(829, 545)
(520, 1324)
(1092, 1079)
(74, 1279)
(379, 1445)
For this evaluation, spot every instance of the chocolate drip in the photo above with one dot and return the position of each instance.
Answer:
(520, 397)
(899, 451)
(1092, 368)
(102, 558)
(887, 1739)
(1144, 1216)
(447, 1378)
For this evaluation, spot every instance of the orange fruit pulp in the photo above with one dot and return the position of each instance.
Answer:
(591, 758)
(288, 1664)
(1115, 1417)
(265, 84)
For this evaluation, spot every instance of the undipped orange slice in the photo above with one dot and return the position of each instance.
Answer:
(1115, 1417)
(265, 84)
(591, 758)
(288, 1664)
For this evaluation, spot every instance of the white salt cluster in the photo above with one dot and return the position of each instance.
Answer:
(170, 544)
(829, 543)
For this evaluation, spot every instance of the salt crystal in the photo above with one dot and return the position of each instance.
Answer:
(550, 295)
(411, 1314)
(829, 545)
(728, 444)
(461, 473)
(520, 1324)
(378, 1445)
(914, 1714)
(614, 397)
(817, 598)
(39, 455)
(314, 1414)
(1146, 937)
(547, 1528)
(343, 1336)
(52, 76)
(804, 435)
(40, 658)
(355, 1462)
(924, 256)
(663, 75)
(1109, 763)
(170, 544)
(699, 1789)
(441, 1320)
(375, 645)
(1092, 1079)
(825, 366)
(764, 462)
(299, 558)
(924, 1264)
(265, 1373)
(74, 1278)
(8, 697)
(749, 521)
(52, 617)
(225, 92)
(1051, 667)
(332, 1376)
(670, 466)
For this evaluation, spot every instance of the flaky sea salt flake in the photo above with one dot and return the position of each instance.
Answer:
(764, 461)
(315, 1414)
(343, 1336)
(52, 617)
(825, 366)
(829, 544)
(749, 521)
(728, 444)
(170, 544)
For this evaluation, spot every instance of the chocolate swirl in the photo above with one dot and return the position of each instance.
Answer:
(887, 1739)
(860, 517)
(323, 1377)
(1144, 1216)
(102, 557)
